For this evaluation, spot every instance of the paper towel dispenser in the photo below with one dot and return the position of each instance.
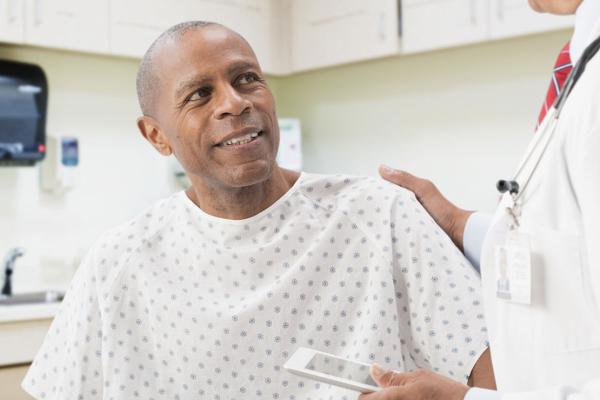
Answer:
(23, 104)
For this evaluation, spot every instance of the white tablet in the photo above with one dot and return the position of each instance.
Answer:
(331, 369)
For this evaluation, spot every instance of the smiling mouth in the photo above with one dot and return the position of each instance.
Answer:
(241, 140)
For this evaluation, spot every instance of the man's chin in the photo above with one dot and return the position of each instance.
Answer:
(249, 174)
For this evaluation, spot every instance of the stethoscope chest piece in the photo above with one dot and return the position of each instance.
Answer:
(511, 186)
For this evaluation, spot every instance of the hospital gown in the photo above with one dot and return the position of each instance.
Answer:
(179, 304)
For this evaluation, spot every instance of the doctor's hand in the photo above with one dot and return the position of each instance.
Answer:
(449, 217)
(416, 385)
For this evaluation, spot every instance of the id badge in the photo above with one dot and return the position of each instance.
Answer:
(513, 268)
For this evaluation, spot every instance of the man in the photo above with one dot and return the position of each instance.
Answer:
(207, 293)
(547, 347)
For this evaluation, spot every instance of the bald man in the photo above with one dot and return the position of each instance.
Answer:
(207, 293)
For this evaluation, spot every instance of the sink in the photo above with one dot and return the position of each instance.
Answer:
(47, 297)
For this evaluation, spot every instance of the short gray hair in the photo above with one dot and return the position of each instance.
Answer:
(147, 78)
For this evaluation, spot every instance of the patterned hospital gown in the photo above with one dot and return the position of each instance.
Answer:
(178, 304)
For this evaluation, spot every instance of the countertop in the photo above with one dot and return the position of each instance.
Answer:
(28, 312)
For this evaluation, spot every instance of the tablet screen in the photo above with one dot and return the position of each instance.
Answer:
(340, 368)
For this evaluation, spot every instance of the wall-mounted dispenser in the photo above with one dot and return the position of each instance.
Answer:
(59, 170)
(23, 105)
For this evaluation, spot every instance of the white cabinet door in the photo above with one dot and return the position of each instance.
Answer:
(279, 61)
(68, 24)
(433, 24)
(11, 21)
(253, 19)
(135, 24)
(10, 382)
(515, 17)
(326, 33)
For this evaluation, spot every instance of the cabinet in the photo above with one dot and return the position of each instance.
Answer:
(68, 24)
(253, 19)
(135, 24)
(19, 342)
(433, 24)
(10, 382)
(325, 33)
(11, 21)
(279, 61)
(287, 35)
(515, 17)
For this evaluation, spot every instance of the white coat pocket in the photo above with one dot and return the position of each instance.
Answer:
(565, 319)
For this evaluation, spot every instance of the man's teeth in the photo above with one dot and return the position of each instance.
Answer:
(242, 139)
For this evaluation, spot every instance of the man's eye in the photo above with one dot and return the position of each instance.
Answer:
(248, 78)
(200, 94)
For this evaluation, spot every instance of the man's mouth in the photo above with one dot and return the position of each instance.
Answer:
(241, 139)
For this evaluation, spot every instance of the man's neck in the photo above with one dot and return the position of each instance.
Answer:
(245, 202)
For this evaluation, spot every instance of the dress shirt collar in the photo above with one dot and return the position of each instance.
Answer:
(587, 19)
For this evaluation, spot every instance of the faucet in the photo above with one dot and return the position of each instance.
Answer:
(9, 266)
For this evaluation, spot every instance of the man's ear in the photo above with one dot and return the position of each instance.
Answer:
(151, 131)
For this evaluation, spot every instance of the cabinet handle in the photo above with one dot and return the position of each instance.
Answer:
(473, 7)
(11, 13)
(37, 12)
(500, 9)
(382, 26)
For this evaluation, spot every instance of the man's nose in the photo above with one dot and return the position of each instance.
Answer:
(231, 102)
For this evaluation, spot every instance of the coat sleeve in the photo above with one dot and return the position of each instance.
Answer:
(476, 228)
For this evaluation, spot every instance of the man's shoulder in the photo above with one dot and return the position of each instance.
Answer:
(352, 192)
(119, 246)
(147, 224)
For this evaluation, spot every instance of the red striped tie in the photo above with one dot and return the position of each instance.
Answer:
(561, 72)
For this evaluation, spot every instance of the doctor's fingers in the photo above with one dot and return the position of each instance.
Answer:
(388, 378)
(390, 393)
(445, 214)
(425, 190)
(401, 178)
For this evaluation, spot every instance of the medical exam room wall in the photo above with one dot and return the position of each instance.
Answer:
(93, 99)
(460, 116)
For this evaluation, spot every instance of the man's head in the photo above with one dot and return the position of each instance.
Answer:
(204, 99)
(559, 7)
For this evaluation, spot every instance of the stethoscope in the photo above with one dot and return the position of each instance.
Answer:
(512, 186)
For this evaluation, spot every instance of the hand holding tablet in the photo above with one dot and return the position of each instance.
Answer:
(331, 369)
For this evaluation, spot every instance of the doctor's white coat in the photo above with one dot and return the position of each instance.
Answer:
(550, 349)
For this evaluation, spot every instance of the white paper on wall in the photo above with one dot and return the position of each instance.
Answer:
(290, 144)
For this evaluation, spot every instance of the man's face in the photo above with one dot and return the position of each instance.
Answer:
(215, 110)
(559, 7)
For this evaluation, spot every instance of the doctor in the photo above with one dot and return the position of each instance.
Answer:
(544, 327)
